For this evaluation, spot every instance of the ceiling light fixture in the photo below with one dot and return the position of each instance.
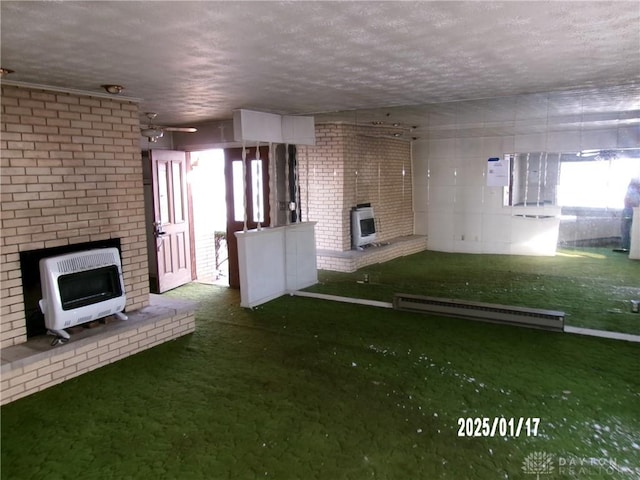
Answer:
(152, 133)
(5, 71)
(113, 89)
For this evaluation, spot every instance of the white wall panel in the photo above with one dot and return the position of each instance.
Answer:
(535, 142)
(421, 197)
(257, 126)
(496, 233)
(534, 236)
(599, 118)
(442, 114)
(420, 223)
(562, 103)
(509, 144)
(603, 138)
(420, 165)
(470, 112)
(467, 227)
(262, 265)
(298, 130)
(563, 141)
(629, 137)
(467, 246)
(442, 147)
(465, 132)
(440, 231)
(493, 199)
(469, 147)
(300, 256)
(496, 248)
(441, 172)
(469, 200)
(471, 172)
(442, 198)
(496, 227)
(500, 109)
(493, 147)
(532, 106)
(253, 126)
(273, 261)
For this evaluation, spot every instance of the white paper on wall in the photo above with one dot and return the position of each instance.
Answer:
(498, 172)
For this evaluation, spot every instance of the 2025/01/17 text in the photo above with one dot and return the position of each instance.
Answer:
(498, 426)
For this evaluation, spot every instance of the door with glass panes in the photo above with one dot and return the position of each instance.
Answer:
(248, 195)
(171, 218)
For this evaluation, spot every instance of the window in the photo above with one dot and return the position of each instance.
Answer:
(534, 179)
(596, 182)
(178, 197)
(238, 191)
(257, 191)
(588, 179)
(163, 193)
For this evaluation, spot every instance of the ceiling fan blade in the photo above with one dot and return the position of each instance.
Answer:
(180, 129)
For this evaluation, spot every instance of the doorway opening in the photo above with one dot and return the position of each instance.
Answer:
(247, 187)
(208, 192)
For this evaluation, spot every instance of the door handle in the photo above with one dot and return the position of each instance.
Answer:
(157, 230)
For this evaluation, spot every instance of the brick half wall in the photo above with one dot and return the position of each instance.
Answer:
(31, 367)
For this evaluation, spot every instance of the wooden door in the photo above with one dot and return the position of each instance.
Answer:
(254, 199)
(171, 218)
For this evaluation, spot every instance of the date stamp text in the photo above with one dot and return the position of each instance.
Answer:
(498, 426)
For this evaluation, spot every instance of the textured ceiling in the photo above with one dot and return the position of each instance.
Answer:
(197, 61)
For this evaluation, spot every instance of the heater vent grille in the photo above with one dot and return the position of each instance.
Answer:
(488, 312)
(90, 261)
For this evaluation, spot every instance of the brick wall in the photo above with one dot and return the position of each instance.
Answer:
(321, 176)
(205, 245)
(355, 164)
(70, 172)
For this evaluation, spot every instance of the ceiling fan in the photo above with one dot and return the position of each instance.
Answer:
(154, 132)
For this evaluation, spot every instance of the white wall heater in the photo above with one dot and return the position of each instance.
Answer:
(80, 287)
(363, 226)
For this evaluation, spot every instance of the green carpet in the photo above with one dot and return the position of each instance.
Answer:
(593, 286)
(306, 389)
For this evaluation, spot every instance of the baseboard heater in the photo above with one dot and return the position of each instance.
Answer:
(486, 312)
